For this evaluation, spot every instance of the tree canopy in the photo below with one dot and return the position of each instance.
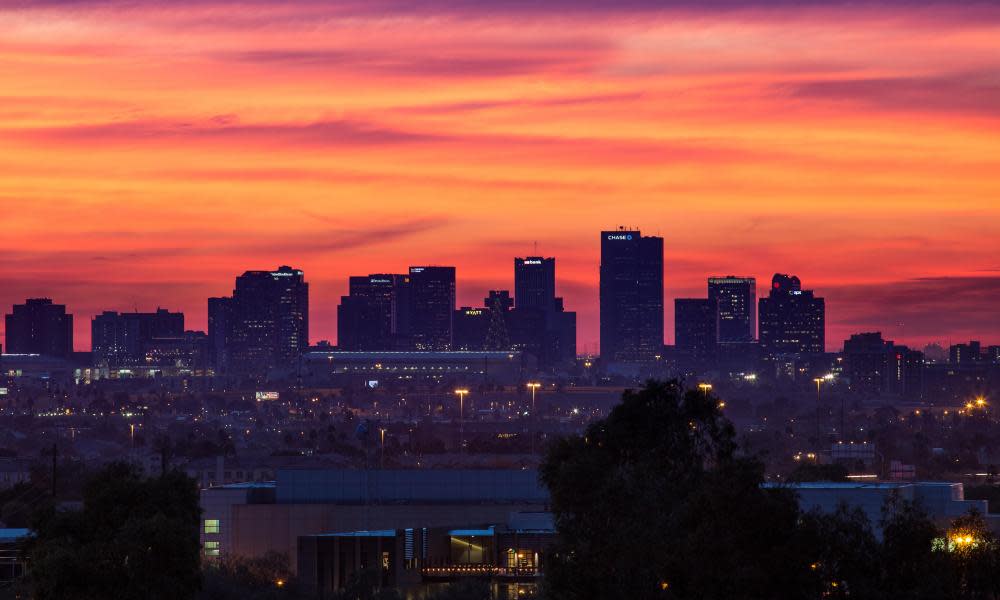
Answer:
(134, 538)
(656, 501)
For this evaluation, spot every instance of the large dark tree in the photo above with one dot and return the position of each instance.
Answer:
(912, 567)
(135, 538)
(655, 502)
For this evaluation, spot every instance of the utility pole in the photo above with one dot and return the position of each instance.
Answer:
(55, 454)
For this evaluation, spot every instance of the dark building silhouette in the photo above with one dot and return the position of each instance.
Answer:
(737, 300)
(868, 363)
(432, 307)
(375, 314)
(875, 366)
(539, 323)
(268, 321)
(179, 354)
(631, 290)
(498, 308)
(992, 355)
(535, 282)
(471, 328)
(220, 315)
(39, 327)
(696, 331)
(487, 327)
(792, 320)
(908, 373)
(120, 339)
(965, 354)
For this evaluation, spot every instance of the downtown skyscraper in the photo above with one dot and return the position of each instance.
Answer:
(432, 307)
(266, 321)
(792, 320)
(737, 300)
(374, 316)
(631, 291)
(539, 323)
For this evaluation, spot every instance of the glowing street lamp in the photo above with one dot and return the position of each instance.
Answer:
(461, 417)
(381, 456)
(705, 387)
(819, 383)
(533, 386)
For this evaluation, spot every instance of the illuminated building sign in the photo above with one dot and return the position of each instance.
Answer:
(3, 391)
(532, 262)
(267, 396)
(620, 236)
(473, 312)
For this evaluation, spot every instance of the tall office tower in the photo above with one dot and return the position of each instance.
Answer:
(696, 330)
(120, 339)
(792, 320)
(737, 298)
(374, 316)
(432, 307)
(39, 327)
(535, 282)
(631, 296)
(539, 323)
(270, 320)
(220, 320)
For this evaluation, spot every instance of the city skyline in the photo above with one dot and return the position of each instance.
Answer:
(149, 155)
(669, 329)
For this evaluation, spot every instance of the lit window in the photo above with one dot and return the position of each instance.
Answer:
(211, 526)
(211, 548)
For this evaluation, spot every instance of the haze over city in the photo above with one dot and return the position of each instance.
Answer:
(151, 151)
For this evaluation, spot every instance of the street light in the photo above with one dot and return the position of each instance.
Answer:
(461, 417)
(381, 457)
(705, 387)
(819, 382)
(533, 386)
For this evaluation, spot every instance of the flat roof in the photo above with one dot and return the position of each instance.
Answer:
(355, 534)
(472, 532)
(246, 485)
(8, 535)
(856, 485)
(414, 354)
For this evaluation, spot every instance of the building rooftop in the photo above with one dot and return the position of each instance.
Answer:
(10, 535)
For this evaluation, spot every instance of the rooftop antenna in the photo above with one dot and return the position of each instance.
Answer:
(536, 247)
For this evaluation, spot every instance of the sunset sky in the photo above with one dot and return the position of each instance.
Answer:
(152, 150)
